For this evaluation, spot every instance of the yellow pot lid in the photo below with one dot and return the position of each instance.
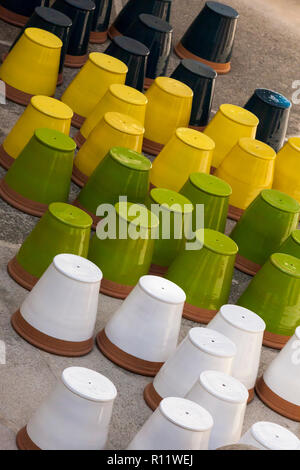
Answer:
(108, 63)
(257, 148)
(239, 115)
(174, 87)
(195, 138)
(51, 107)
(137, 214)
(128, 94)
(43, 38)
(124, 123)
(295, 143)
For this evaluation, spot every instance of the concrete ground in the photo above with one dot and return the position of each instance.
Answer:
(265, 55)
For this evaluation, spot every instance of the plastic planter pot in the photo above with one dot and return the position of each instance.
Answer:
(291, 245)
(274, 294)
(202, 349)
(213, 193)
(225, 398)
(62, 229)
(118, 98)
(228, 125)
(32, 66)
(133, 8)
(122, 172)
(126, 255)
(175, 217)
(201, 79)
(248, 168)
(42, 112)
(135, 55)
(205, 274)
(143, 333)
(55, 22)
(100, 21)
(272, 110)
(114, 129)
(32, 183)
(156, 34)
(17, 12)
(169, 107)
(74, 416)
(177, 424)
(287, 168)
(91, 83)
(246, 330)
(270, 436)
(81, 13)
(278, 388)
(54, 321)
(263, 227)
(187, 151)
(210, 37)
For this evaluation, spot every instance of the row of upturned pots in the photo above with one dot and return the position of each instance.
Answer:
(110, 113)
(201, 387)
(43, 43)
(205, 409)
(209, 39)
(227, 146)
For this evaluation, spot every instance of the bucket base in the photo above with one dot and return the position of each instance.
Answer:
(151, 397)
(98, 37)
(113, 289)
(235, 213)
(113, 32)
(75, 61)
(79, 139)
(246, 266)
(272, 340)
(197, 128)
(24, 442)
(22, 277)
(275, 402)
(13, 18)
(148, 82)
(125, 360)
(96, 219)
(199, 315)
(251, 395)
(153, 148)
(157, 270)
(183, 53)
(77, 120)
(17, 96)
(5, 160)
(48, 343)
(60, 79)
(20, 202)
(78, 177)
